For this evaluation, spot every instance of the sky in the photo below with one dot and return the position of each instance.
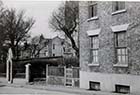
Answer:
(39, 10)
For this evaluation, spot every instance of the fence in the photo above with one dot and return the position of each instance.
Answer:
(55, 75)
(72, 77)
(62, 76)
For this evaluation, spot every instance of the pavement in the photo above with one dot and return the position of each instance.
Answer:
(20, 87)
(13, 90)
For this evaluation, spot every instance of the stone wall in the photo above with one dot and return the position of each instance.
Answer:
(53, 80)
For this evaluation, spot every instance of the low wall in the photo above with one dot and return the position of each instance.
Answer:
(2, 68)
(2, 74)
(19, 81)
(56, 80)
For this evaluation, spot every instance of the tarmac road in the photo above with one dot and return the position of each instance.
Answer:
(20, 88)
(14, 90)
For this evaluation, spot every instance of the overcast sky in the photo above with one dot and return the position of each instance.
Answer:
(39, 10)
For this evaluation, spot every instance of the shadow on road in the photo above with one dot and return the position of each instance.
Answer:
(2, 85)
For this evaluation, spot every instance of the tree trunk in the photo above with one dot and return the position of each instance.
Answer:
(74, 45)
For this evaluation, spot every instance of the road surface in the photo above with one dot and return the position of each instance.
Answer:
(14, 90)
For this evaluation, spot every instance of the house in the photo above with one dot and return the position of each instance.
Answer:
(45, 52)
(56, 46)
(53, 47)
(110, 46)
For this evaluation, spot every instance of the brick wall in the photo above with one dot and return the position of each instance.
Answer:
(106, 37)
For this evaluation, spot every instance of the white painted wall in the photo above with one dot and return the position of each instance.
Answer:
(108, 81)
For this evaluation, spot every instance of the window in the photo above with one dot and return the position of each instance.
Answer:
(46, 53)
(118, 5)
(92, 9)
(122, 88)
(53, 46)
(121, 48)
(64, 49)
(94, 85)
(53, 54)
(94, 49)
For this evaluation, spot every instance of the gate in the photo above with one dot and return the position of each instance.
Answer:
(72, 77)
(69, 81)
(62, 76)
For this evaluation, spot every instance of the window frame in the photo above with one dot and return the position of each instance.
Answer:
(117, 5)
(117, 47)
(53, 46)
(119, 10)
(94, 47)
(92, 9)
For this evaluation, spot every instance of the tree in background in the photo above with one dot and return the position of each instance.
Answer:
(65, 19)
(3, 48)
(37, 44)
(16, 27)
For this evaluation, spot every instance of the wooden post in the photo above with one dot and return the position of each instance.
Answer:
(28, 72)
(47, 73)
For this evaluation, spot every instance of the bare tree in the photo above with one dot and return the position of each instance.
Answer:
(37, 44)
(3, 49)
(16, 27)
(2, 33)
(65, 19)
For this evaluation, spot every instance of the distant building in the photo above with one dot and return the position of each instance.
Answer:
(55, 47)
(45, 51)
(110, 46)
(58, 46)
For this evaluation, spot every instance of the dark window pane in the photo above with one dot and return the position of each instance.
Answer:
(92, 9)
(120, 39)
(118, 5)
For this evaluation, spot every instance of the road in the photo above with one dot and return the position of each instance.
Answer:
(20, 88)
(14, 90)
